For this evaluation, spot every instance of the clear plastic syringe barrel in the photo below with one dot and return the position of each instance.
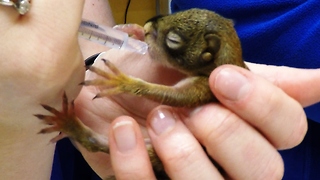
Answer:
(110, 37)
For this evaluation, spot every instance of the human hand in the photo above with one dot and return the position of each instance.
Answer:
(242, 134)
(99, 113)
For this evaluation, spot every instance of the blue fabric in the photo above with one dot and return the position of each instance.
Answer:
(69, 164)
(285, 32)
(278, 32)
(303, 161)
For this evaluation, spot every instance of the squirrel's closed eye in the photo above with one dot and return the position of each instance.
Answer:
(174, 41)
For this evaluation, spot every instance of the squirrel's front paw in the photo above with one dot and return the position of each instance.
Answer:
(114, 82)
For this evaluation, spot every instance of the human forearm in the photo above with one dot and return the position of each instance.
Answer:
(40, 59)
(23, 153)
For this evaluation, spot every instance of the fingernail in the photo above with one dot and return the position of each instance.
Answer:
(121, 26)
(118, 27)
(162, 121)
(125, 136)
(232, 85)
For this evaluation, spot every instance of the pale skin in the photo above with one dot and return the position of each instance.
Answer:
(25, 73)
(28, 66)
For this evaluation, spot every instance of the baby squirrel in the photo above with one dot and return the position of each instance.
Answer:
(194, 42)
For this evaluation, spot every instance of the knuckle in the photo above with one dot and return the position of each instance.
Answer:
(266, 113)
(274, 168)
(131, 175)
(134, 173)
(179, 159)
(226, 125)
(213, 124)
(298, 132)
(282, 121)
(126, 175)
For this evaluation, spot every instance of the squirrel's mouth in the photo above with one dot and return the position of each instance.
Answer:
(150, 31)
(154, 34)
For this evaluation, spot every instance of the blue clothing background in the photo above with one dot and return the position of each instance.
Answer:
(69, 164)
(284, 32)
(278, 32)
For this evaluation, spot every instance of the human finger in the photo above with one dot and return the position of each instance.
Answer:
(179, 151)
(134, 30)
(241, 151)
(262, 104)
(129, 157)
(301, 84)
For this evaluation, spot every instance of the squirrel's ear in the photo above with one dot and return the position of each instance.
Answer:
(213, 46)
